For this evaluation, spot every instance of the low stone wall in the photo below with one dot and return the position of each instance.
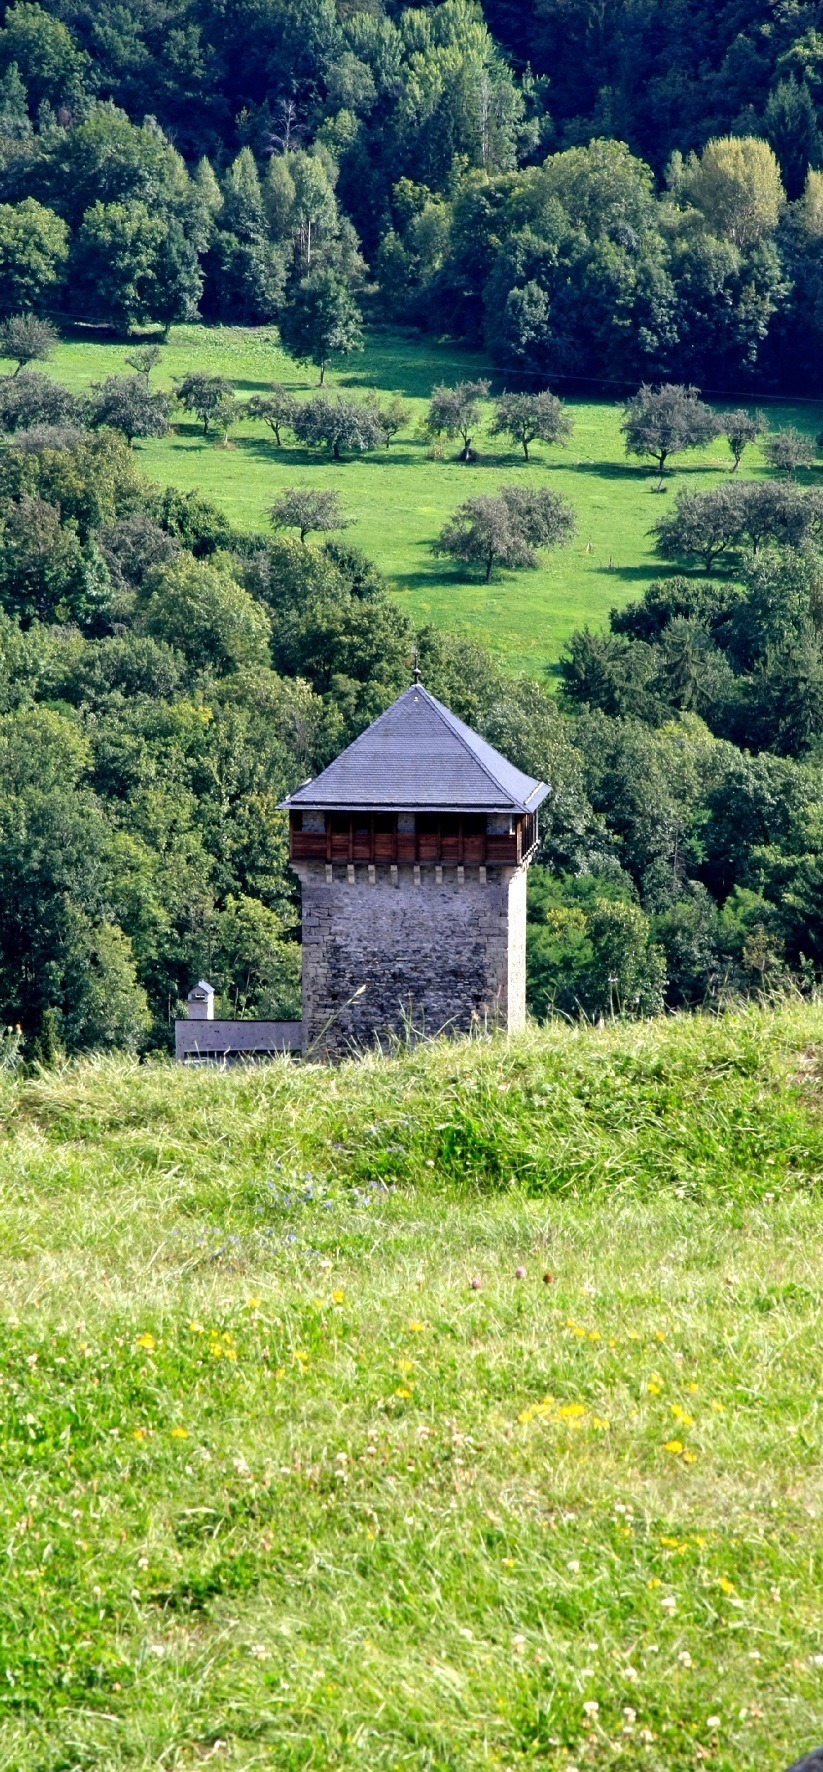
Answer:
(224, 1041)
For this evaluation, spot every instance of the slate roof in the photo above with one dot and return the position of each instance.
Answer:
(419, 757)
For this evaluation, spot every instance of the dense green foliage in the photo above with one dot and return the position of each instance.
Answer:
(303, 1463)
(279, 159)
(164, 681)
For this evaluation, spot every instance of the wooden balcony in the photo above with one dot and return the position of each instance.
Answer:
(438, 840)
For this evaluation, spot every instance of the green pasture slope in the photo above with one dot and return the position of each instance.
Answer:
(399, 499)
(282, 1488)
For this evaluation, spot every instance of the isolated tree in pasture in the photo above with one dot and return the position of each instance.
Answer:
(307, 509)
(225, 416)
(457, 412)
(202, 394)
(661, 422)
(276, 409)
(531, 418)
(740, 428)
(506, 529)
(25, 338)
(346, 427)
(126, 403)
(320, 321)
(391, 416)
(145, 359)
(790, 449)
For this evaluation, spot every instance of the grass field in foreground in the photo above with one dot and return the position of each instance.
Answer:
(400, 500)
(281, 1489)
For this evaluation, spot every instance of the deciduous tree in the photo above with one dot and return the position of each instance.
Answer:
(344, 426)
(321, 321)
(308, 508)
(530, 418)
(661, 422)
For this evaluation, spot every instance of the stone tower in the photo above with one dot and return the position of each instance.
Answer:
(412, 850)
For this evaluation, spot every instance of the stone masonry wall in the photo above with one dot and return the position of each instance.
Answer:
(434, 947)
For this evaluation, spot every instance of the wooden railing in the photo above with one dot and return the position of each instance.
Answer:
(450, 841)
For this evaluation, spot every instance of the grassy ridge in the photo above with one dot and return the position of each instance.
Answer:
(280, 1486)
(400, 500)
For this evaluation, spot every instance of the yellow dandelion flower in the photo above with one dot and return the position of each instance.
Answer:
(570, 1412)
(689, 1457)
(252, 1304)
(416, 1328)
(139, 1433)
(525, 1416)
(338, 1296)
(179, 1433)
(595, 1335)
(405, 1365)
(654, 1581)
(680, 1415)
(653, 1389)
(318, 1303)
(633, 1334)
(693, 1388)
(402, 1392)
(281, 1372)
(675, 1446)
(719, 1408)
(508, 1563)
(725, 1585)
(147, 1341)
(659, 1335)
(601, 1421)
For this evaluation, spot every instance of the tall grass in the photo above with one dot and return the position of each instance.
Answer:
(300, 1471)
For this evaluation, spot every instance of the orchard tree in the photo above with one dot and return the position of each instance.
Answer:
(531, 418)
(308, 508)
(126, 403)
(30, 398)
(790, 449)
(33, 254)
(145, 359)
(321, 321)
(202, 394)
(740, 428)
(457, 412)
(661, 422)
(25, 338)
(225, 415)
(506, 529)
(344, 426)
(391, 415)
(276, 409)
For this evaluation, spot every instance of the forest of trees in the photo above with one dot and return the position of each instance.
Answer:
(628, 193)
(619, 193)
(164, 682)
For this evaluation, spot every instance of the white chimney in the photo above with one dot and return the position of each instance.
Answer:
(201, 1002)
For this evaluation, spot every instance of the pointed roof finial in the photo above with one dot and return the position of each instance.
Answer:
(416, 666)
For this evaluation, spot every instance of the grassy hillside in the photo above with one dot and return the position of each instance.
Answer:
(400, 500)
(283, 1488)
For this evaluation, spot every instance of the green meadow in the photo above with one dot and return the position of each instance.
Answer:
(452, 1411)
(399, 499)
